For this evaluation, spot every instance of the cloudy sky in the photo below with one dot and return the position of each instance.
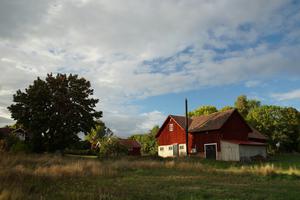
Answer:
(144, 57)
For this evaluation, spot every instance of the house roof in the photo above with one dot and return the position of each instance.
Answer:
(5, 131)
(213, 121)
(245, 142)
(255, 134)
(205, 122)
(201, 123)
(130, 143)
(180, 120)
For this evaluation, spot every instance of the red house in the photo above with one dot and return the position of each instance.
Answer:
(222, 136)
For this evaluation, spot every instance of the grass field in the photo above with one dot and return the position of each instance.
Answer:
(56, 177)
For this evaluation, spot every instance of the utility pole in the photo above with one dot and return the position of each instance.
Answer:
(186, 127)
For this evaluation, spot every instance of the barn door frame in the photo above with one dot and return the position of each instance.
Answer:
(215, 148)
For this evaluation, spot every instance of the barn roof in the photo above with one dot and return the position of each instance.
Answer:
(255, 134)
(205, 122)
(201, 123)
(213, 121)
(130, 143)
(5, 131)
(180, 120)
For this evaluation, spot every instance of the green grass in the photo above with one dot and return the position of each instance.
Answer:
(54, 177)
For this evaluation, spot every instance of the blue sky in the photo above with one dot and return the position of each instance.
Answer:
(144, 58)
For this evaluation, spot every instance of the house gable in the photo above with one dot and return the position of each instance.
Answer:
(167, 137)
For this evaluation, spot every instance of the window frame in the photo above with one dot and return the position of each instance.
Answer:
(171, 127)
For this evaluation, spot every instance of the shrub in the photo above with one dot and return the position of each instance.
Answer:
(80, 151)
(20, 146)
(10, 141)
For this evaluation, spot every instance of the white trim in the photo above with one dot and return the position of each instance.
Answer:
(211, 144)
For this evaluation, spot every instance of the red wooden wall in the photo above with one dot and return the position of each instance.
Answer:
(235, 128)
(206, 137)
(167, 137)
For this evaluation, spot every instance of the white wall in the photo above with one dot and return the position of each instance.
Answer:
(166, 152)
(229, 151)
(249, 151)
(235, 152)
(182, 152)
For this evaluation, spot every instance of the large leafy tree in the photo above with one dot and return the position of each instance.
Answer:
(243, 105)
(280, 124)
(203, 110)
(55, 110)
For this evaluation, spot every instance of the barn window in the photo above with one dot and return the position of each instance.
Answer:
(161, 148)
(171, 127)
(181, 147)
(170, 148)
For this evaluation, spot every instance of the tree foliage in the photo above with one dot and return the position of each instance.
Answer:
(280, 124)
(225, 108)
(98, 132)
(147, 141)
(203, 110)
(55, 110)
(243, 105)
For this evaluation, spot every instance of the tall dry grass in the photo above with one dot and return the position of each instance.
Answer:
(20, 173)
(264, 170)
(18, 168)
(52, 166)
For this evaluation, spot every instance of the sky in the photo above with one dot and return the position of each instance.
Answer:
(144, 57)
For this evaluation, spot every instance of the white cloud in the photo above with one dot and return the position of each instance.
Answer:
(252, 83)
(108, 41)
(294, 94)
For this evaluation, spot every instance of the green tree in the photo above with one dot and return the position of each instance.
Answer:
(243, 105)
(55, 110)
(98, 132)
(280, 124)
(203, 110)
(225, 108)
(253, 103)
(147, 141)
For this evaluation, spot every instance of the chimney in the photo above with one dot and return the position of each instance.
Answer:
(186, 127)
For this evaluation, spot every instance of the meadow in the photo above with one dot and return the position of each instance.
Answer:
(47, 176)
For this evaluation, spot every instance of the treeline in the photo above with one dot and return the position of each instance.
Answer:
(147, 141)
(280, 124)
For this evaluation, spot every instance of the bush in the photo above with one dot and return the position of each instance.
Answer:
(20, 146)
(111, 147)
(10, 141)
(80, 152)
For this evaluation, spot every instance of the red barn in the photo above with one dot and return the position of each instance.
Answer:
(222, 136)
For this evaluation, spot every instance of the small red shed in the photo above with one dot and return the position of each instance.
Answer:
(134, 148)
